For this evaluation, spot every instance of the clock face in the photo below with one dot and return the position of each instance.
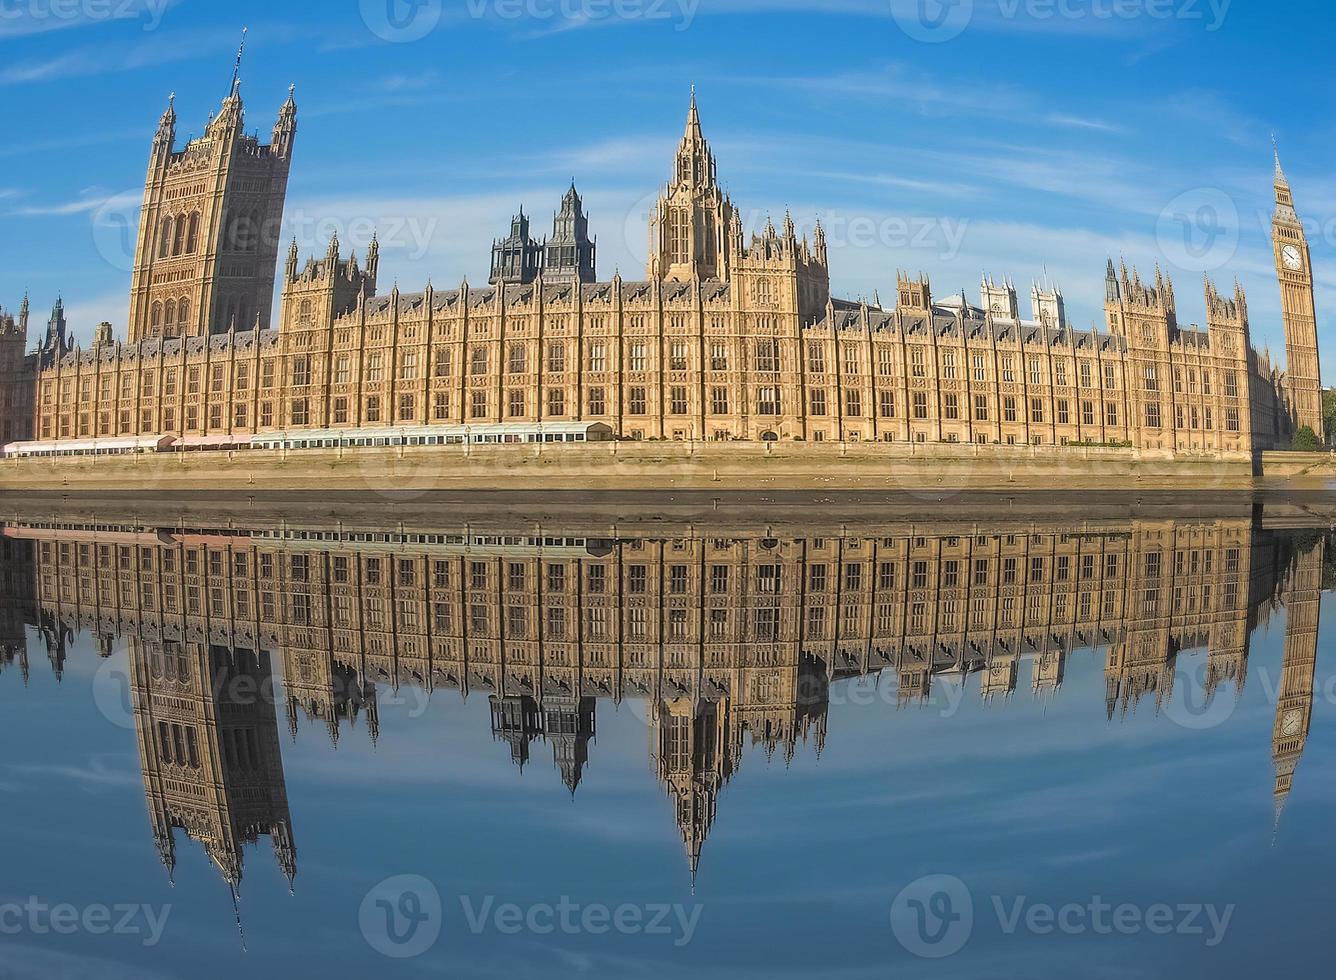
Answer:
(1292, 722)
(1293, 258)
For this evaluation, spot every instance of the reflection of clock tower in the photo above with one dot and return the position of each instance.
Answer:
(1295, 707)
(1295, 268)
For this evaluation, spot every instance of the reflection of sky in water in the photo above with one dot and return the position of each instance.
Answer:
(1022, 797)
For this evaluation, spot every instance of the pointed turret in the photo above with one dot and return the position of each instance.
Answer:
(164, 140)
(569, 255)
(373, 260)
(285, 129)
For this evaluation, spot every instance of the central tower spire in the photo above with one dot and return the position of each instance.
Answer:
(690, 225)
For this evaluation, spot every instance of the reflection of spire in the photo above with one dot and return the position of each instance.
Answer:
(692, 751)
(236, 910)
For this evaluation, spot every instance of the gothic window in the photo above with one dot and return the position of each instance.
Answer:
(598, 357)
(637, 358)
(169, 314)
(192, 234)
(478, 405)
(853, 403)
(478, 363)
(517, 359)
(165, 238)
(556, 358)
(306, 313)
(179, 236)
(677, 356)
(556, 402)
(719, 401)
(680, 235)
(597, 402)
(155, 317)
(373, 408)
(767, 358)
(768, 401)
(183, 313)
(816, 357)
(515, 403)
(407, 408)
(818, 402)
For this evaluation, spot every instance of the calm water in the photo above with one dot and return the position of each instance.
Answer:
(356, 746)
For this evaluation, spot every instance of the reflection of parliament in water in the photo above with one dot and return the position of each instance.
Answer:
(724, 637)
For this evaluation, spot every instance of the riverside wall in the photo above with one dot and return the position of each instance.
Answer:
(669, 466)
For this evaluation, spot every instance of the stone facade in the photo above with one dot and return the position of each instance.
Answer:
(730, 337)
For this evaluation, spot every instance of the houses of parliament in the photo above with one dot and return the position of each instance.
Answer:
(238, 633)
(729, 336)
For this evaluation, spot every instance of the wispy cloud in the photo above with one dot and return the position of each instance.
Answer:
(92, 199)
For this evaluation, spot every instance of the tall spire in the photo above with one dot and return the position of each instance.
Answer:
(1280, 171)
(693, 131)
(236, 70)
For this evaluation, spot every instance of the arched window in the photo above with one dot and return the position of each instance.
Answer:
(305, 314)
(165, 238)
(192, 237)
(155, 317)
(179, 239)
(183, 313)
(169, 314)
(680, 235)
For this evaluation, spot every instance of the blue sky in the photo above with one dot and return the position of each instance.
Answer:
(1008, 136)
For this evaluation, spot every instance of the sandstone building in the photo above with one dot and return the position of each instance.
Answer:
(729, 336)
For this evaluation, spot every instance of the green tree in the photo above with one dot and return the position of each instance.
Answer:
(1306, 441)
(1329, 410)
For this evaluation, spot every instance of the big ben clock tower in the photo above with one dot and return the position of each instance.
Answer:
(1295, 270)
